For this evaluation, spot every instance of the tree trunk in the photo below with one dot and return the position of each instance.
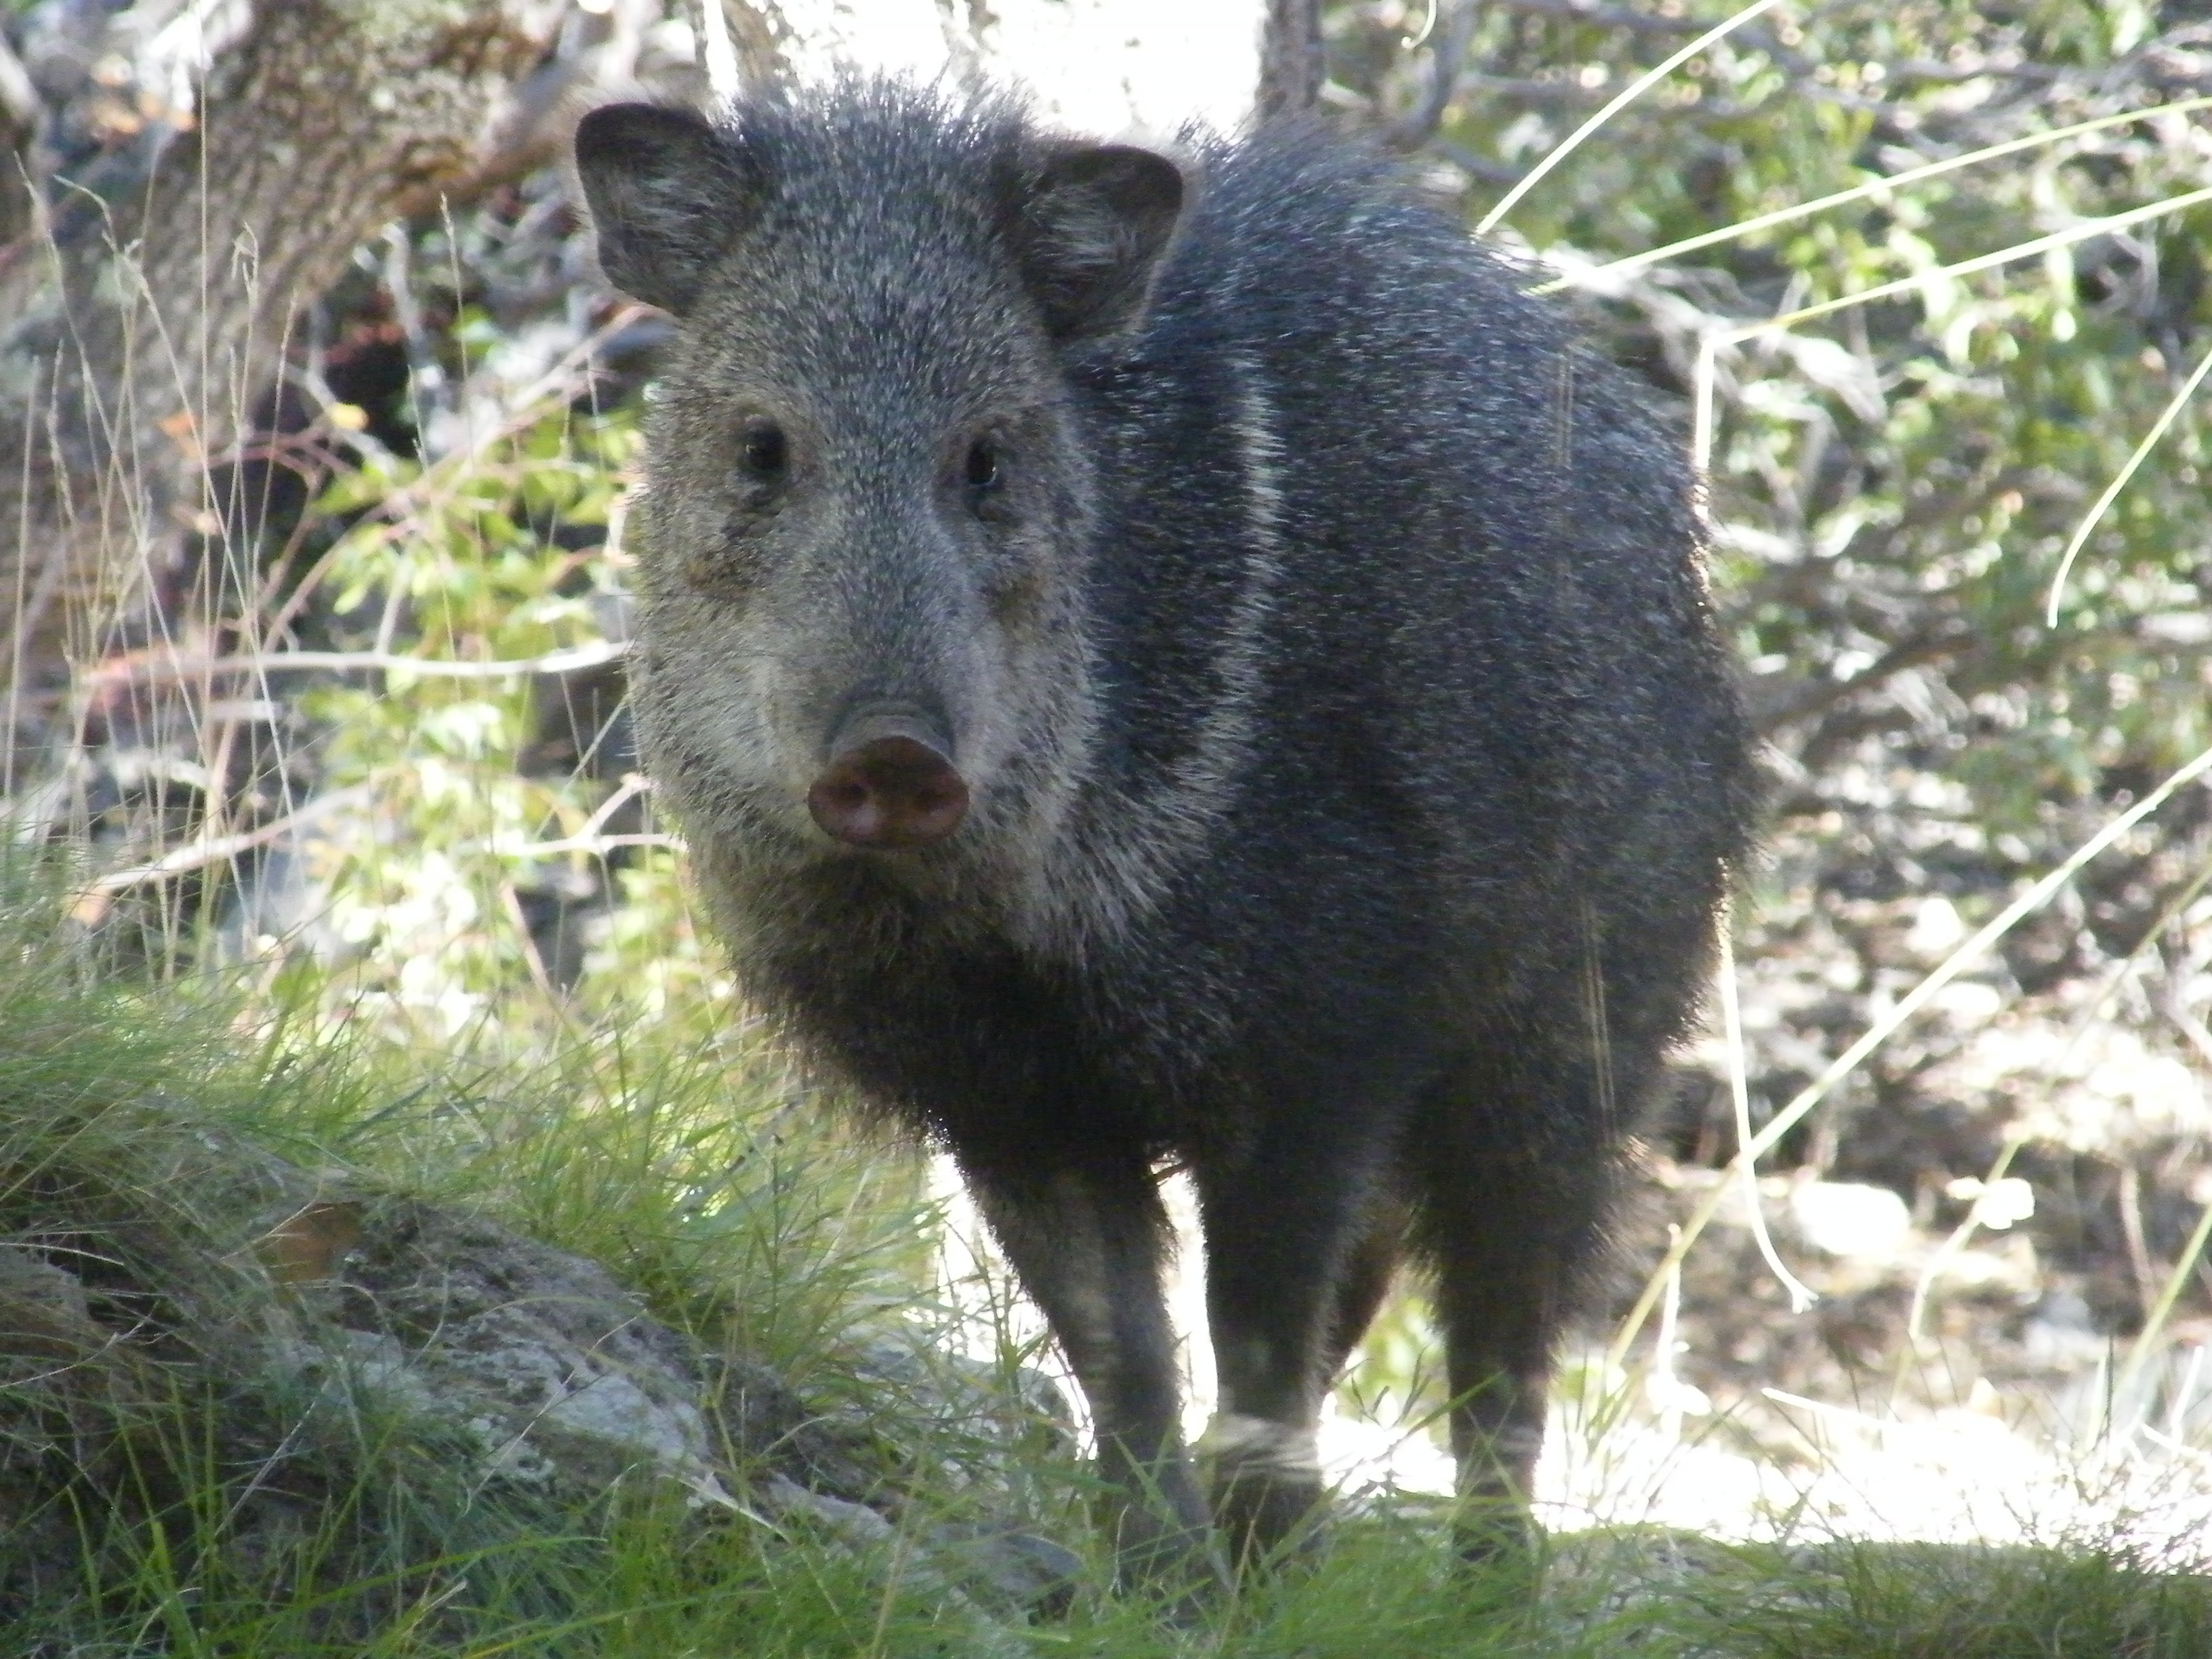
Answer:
(19, 124)
(1291, 64)
(149, 319)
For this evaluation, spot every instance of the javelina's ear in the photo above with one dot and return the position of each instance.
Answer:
(668, 193)
(1090, 232)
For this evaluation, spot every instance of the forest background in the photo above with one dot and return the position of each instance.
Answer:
(315, 431)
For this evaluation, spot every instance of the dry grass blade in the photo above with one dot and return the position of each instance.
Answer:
(2162, 1310)
(1883, 1029)
(1627, 96)
(2095, 516)
(1874, 188)
(1801, 1295)
(1714, 342)
(2086, 230)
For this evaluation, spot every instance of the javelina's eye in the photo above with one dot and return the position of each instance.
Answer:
(983, 470)
(762, 450)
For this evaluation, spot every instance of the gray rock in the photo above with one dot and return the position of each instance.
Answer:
(321, 1321)
(554, 1371)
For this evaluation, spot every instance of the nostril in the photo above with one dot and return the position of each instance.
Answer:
(889, 791)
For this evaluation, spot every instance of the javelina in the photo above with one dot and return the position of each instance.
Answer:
(1179, 659)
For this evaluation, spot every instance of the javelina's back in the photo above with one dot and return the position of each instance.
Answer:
(1453, 559)
(1180, 657)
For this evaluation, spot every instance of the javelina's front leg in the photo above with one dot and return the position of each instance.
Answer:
(1298, 1255)
(1086, 1244)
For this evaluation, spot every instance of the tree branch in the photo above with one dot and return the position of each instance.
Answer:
(214, 849)
(1774, 707)
(1446, 58)
(1291, 64)
(145, 670)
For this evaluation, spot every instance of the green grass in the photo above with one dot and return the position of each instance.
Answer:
(1925, 1602)
(206, 1511)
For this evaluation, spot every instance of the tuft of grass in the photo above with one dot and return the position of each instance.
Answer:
(1888, 1601)
(164, 1489)
(156, 1483)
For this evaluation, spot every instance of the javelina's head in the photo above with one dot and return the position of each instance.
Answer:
(861, 628)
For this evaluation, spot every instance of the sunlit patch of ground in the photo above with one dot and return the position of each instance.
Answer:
(2016, 1469)
(1958, 1476)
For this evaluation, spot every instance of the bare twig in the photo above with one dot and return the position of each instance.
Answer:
(1474, 166)
(2131, 1229)
(634, 784)
(595, 845)
(1448, 56)
(176, 669)
(1774, 708)
(589, 838)
(214, 849)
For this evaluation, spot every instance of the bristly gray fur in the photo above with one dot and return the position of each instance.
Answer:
(1353, 765)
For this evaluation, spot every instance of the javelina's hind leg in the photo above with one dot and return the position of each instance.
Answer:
(1087, 1244)
(1509, 1221)
(1297, 1262)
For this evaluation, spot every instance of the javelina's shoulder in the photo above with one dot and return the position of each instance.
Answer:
(1314, 210)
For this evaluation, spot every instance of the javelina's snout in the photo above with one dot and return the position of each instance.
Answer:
(889, 784)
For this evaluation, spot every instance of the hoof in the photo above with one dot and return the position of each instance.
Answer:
(1266, 1490)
